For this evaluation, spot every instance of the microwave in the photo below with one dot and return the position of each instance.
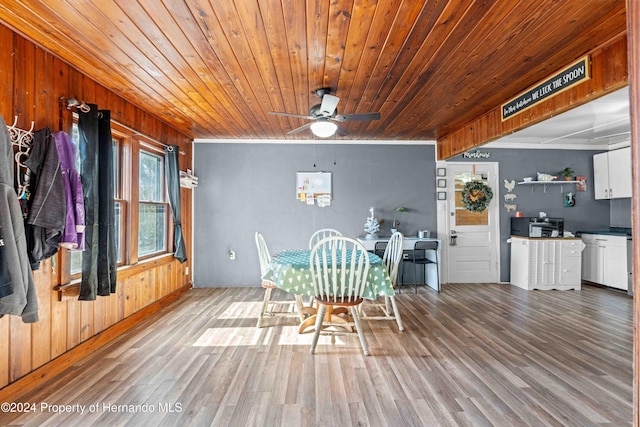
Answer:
(537, 227)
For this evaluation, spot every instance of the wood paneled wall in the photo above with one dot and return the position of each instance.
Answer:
(633, 26)
(609, 72)
(32, 81)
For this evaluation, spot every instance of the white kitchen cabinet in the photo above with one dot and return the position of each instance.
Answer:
(546, 263)
(591, 267)
(604, 260)
(612, 174)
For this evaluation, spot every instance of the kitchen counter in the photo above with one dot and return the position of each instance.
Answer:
(605, 258)
(547, 263)
(612, 231)
(546, 238)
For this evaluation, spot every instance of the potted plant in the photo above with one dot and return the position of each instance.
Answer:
(395, 223)
(567, 173)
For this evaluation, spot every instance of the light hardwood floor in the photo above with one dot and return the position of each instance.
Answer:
(472, 355)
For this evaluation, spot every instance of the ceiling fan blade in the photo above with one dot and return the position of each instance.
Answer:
(300, 129)
(357, 117)
(341, 131)
(275, 113)
(329, 104)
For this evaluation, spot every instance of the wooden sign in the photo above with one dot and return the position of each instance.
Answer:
(570, 76)
(477, 154)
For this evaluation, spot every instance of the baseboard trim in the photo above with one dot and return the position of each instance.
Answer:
(36, 378)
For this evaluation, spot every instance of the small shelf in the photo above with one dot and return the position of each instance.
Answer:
(545, 183)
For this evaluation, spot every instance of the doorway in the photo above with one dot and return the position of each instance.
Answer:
(473, 243)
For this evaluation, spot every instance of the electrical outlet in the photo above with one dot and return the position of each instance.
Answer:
(232, 254)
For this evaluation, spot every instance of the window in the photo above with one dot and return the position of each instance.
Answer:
(117, 141)
(152, 208)
(152, 232)
(120, 204)
(463, 216)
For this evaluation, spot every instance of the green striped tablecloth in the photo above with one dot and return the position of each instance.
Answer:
(290, 271)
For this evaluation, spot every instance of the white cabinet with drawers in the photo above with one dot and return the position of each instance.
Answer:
(546, 263)
(604, 260)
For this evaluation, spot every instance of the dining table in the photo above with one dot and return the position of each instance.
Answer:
(290, 271)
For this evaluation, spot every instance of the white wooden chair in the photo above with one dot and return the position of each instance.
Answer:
(391, 258)
(316, 237)
(339, 268)
(295, 306)
(321, 234)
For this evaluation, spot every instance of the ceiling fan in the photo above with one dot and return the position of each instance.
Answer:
(324, 116)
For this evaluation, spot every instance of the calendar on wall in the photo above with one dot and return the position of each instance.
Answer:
(314, 188)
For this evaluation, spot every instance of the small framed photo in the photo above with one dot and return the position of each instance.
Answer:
(442, 195)
(442, 183)
(441, 171)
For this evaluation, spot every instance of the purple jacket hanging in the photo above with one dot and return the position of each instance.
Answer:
(73, 235)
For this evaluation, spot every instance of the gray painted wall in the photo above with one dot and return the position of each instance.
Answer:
(244, 188)
(587, 214)
(621, 213)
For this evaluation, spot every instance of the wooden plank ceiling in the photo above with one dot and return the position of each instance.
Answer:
(216, 68)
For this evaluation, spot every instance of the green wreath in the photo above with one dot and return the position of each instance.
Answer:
(476, 196)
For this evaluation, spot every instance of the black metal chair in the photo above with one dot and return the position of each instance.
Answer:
(379, 248)
(420, 257)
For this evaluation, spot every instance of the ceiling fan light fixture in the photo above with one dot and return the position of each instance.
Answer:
(323, 129)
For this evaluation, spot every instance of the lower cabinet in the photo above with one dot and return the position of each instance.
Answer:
(546, 263)
(604, 260)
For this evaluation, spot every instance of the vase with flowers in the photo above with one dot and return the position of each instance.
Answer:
(396, 223)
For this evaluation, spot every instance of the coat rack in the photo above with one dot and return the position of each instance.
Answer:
(22, 139)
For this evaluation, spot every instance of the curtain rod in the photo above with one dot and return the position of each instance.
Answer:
(136, 133)
(85, 108)
(72, 102)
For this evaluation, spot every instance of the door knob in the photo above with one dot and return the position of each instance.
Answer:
(453, 238)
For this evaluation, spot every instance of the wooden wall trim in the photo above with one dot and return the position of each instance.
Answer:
(148, 264)
(33, 81)
(609, 72)
(13, 391)
(633, 27)
(72, 289)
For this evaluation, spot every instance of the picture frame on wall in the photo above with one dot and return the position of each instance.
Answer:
(442, 183)
(312, 185)
(441, 171)
(569, 199)
(442, 195)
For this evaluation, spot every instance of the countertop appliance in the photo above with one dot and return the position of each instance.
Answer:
(530, 226)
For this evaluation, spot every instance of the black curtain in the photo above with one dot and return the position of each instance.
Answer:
(96, 169)
(172, 176)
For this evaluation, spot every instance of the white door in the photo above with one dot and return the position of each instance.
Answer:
(473, 254)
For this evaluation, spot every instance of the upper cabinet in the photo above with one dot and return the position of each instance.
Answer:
(612, 174)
